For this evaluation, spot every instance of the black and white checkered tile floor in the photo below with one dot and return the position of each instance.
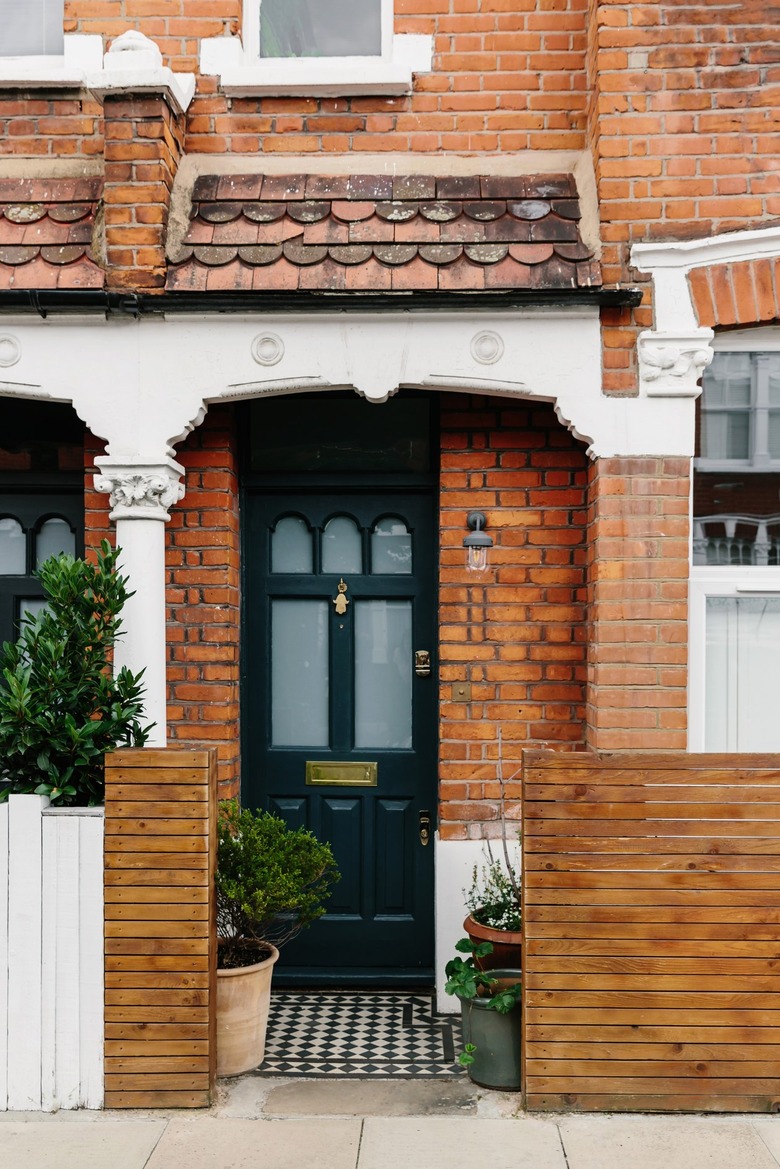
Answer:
(348, 1034)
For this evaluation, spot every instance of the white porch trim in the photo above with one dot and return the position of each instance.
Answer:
(673, 354)
(143, 385)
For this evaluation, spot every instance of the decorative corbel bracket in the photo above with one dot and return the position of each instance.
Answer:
(671, 364)
(140, 491)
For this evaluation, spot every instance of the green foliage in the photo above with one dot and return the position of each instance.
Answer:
(271, 880)
(467, 982)
(494, 897)
(60, 708)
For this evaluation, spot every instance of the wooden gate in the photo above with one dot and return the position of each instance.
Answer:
(652, 932)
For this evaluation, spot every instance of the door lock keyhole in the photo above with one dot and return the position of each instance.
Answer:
(425, 828)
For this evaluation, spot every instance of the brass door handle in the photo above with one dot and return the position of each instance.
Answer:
(425, 828)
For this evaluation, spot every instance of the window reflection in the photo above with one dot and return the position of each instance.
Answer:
(391, 547)
(342, 550)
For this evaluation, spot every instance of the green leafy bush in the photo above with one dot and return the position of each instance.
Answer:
(61, 709)
(271, 882)
(466, 981)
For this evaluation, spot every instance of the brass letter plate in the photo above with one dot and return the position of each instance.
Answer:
(323, 773)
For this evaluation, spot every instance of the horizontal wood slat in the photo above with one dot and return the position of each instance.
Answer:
(651, 890)
(160, 930)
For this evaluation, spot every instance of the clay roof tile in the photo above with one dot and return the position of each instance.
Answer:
(379, 233)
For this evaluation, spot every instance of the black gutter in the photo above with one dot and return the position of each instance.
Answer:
(140, 304)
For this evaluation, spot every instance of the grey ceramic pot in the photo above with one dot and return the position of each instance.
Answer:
(497, 1039)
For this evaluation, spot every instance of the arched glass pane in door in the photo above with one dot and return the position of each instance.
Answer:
(391, 547)
(12, 548)
(342, 551)
(55, 536)
(291, 546)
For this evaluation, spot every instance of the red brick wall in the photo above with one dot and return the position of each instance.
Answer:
(683, 124)
(144, 143)
(508, 75)
(203, 597)
(737, 294)
(638, 604)
(516, 632)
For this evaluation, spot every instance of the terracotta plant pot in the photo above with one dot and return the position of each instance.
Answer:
(243, 1002)
(507, 945)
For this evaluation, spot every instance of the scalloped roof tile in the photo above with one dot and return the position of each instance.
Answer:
(379, 232)
(46, 228)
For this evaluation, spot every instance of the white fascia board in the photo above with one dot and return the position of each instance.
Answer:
(242, 75)
(68, 71)
(731, 247)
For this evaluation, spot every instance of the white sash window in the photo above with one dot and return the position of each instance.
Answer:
(735, 574)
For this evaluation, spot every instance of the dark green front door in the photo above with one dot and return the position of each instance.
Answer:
(340, 715)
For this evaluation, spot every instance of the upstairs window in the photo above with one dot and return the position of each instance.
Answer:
(32, 28)
(321, 28)
(740, 412)
(318, 48)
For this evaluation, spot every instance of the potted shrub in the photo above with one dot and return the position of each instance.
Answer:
(61, 708)
(493, 901)
(271, 882)
(490, 1008)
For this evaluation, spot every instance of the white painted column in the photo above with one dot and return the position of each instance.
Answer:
(141, 494)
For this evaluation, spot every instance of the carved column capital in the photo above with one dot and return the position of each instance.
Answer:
(671, 364)
(140, 491)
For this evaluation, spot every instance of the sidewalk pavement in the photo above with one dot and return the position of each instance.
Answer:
(377, 1129)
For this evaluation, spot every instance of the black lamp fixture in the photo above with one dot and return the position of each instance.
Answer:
(477, 542)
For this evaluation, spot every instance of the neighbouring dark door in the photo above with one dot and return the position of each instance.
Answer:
(340, 706)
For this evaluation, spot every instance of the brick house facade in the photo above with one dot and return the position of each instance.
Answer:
(534, 211)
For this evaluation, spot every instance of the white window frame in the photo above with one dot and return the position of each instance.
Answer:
(243, 72)
(723, 580)
(83, 54)
(251, 38)
(706, 582)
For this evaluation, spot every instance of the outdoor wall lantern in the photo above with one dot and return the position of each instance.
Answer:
(477, 542)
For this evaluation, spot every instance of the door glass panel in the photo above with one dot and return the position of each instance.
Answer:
(30, 605)
(299, 673)
(391, 547)
(291, 546)
(341, 546)
(383, 674)
(54, 537)
(12, 548)
(742, 674)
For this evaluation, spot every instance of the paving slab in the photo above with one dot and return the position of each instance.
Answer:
(768, 1128)
(663, 1142)
(208, 1143)
(457, 1142)
(372, 1098)
(78, 1144)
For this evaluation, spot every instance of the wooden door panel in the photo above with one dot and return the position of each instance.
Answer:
(379, 923)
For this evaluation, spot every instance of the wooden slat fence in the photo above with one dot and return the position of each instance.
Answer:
(160, 928)
(652, 932)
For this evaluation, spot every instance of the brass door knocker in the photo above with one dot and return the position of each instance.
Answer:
(341, 601)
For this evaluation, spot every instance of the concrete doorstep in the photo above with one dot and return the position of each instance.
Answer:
(364, 1124)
